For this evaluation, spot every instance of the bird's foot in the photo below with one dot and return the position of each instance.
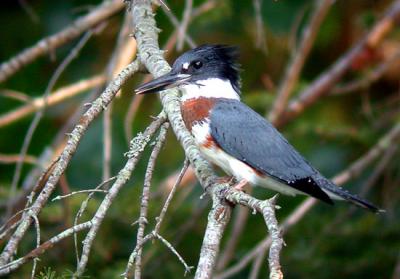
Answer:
(225, 179)
(241, 185)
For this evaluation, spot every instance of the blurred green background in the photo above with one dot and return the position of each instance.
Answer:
(329, 242)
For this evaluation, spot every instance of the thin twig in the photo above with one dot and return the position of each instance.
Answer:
(146, 196)
(46, 45)
(5, 228)
(29, 11)
(177, 25)
(170, 247)
(54, 98)
(136, 253)
(171, 194)
(107, 142)
(47, 159)
(184, 24)
(15, 158)
(36, 259)
(260, 31)
(396, 271)
(82, 209)
(79, 192)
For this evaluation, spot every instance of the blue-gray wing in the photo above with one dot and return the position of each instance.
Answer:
(245, 135)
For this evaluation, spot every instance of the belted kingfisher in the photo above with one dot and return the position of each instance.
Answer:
(233, 136)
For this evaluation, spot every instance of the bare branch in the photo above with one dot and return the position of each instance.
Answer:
(160, 218)
(368, 79)
(293, 71)
(75, 136)
(54, 98)
(46, 45)
(135, 255)
(79, 192)
(184, 24)
(146, 196)
(257, 264)
(82, 209)
(151, 56)
(238, 226)
(170, 247)
(35, 260)
(260, 31)
(178, 26)
(267, 209)
(218, 218)
(14, 158)
(136, 148)
(322, 85)
(15, 95)
(6, 269)
(40, 113)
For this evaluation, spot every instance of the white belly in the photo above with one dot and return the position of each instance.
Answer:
(233, 166)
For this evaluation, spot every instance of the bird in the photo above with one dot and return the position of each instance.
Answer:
(233, 136)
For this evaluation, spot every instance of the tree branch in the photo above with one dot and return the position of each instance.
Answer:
(6, 269)
(135, 151)
(46, 45)
(299, 58)
(267, 209)
(146, 196)
(74, 138)
(151, 56)
(54, 98)
(322, 85)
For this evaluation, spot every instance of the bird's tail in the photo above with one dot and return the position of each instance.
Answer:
(338, 193)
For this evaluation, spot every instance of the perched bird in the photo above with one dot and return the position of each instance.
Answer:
(233, 136)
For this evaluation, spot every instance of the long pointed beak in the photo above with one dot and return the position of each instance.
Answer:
(169, 80)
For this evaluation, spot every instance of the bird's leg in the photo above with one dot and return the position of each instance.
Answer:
(240, 185)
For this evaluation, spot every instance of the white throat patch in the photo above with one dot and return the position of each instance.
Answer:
(209, 88)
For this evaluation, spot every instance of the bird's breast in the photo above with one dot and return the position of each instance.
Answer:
(196, 110)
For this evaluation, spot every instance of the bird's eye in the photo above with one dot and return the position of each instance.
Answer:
(197, 64)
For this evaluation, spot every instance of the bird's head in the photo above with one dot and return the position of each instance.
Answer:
(208, 71)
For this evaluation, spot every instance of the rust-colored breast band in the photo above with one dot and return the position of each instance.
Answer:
(196, 110)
